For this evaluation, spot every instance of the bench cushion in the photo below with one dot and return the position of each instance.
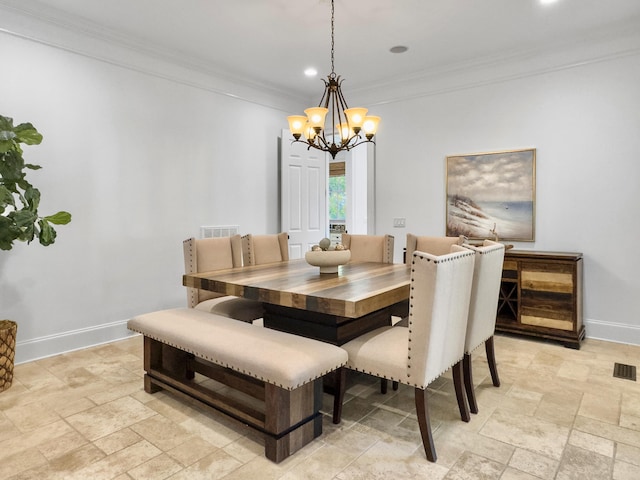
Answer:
(275, 357)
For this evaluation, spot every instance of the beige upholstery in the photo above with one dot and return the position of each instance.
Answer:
(208, 254)
(275, 357)
(483, 307)
(434, 340)
(441, 287)
(260, 249)
(432, 245)
(369, 248)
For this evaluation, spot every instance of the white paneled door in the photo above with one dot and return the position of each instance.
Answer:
(303, 194)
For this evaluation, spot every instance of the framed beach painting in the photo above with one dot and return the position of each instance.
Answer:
(492, 195)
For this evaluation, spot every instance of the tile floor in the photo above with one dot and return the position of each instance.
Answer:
(559, 414)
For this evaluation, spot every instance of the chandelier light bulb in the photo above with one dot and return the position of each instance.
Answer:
(345, 132)
(370, 125)
(297, 124)
(316, 116)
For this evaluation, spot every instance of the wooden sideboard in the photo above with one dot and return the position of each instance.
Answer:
(541, 296)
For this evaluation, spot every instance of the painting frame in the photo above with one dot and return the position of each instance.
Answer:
(492, 195)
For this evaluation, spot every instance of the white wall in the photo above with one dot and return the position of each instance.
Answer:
(143, 153)
(141, 162)
(585, 125)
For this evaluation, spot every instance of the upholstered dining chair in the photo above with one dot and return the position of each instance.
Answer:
(432, 245)
(369, 248)
(375, 248)
(260, 249)
(428, 244)
(483, 307)
(208, 254)
(432, 343)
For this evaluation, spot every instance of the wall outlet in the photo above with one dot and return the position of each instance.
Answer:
(399, 222)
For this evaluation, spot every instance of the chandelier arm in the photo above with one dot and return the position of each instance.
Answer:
(335, 112)
(324, 101)
(342, 116)
(358, 143)
(310, 145)
(322, 141)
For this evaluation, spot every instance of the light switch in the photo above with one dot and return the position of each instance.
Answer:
(399, 222)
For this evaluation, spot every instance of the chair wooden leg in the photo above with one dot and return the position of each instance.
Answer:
(468, 383)
(384, 385)
(341, 378)
(459, 387)
(491, 359)
(422, 410)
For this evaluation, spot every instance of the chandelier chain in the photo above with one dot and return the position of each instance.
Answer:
(333, 74)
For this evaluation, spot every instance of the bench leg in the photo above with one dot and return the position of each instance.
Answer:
(158, 356)
(292, 418)
(152, 358)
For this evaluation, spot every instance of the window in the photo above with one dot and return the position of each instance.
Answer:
(337, 192)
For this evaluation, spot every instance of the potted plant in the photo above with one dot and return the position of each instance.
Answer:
(19, 218)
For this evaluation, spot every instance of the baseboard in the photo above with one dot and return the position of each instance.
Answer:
(50, 345)
(613, 332)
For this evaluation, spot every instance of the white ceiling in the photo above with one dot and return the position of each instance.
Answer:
(273, 41)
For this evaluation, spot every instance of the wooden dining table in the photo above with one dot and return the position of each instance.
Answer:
(298, 299)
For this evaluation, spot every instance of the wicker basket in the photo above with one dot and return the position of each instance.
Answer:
(8, 331)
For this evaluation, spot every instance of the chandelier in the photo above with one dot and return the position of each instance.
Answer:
(347, 125)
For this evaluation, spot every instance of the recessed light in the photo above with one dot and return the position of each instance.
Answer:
(398, 49)
(311, 72)
(547, 2)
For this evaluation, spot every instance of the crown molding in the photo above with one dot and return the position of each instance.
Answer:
(597, 48)
(29, 20)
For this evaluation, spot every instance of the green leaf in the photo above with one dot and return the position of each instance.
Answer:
(6, 235)
(6, 197)
(47, 233)
(27, 133)
(32, 196)
(59, 218)
(6, 123)
(32, 166)
(5, 144)
(23, 218)
(6, 134)
(11, 166)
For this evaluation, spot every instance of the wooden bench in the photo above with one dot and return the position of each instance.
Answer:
(275, 378)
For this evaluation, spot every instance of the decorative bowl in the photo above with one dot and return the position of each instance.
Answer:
(327, 260)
